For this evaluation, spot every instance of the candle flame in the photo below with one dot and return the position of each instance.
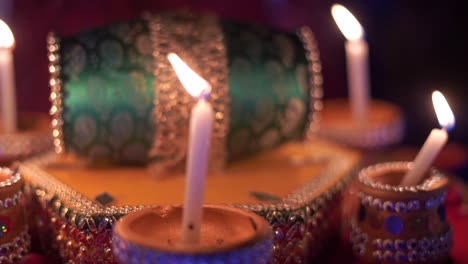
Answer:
(6, 36)
(347, 23)
(192, 82)
(443, 111)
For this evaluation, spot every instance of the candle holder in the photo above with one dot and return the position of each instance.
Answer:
(384, 127)
(400, 223)
(14, 238)
(33, 137)
(228, 235)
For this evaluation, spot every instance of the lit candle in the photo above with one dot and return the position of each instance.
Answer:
(7, 81)
(434, 142)
(201, 119)
(357, 62)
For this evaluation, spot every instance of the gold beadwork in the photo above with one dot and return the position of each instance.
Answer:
(204, 51)
(315, 81)
(53, 47)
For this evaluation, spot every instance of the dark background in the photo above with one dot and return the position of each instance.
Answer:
(415, 46)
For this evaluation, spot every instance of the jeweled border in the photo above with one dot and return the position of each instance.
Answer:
(14, 251)
(397, 166)
(418, 249)
(11, 201)
(13, 177)
(315, 80)
(400, 206)
(55, 84)
(85, 213)
(170, 97)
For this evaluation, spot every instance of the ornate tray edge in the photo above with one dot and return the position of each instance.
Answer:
(84, 213)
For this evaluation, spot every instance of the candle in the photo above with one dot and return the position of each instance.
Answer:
(201, 119)
(434, 142)
(7, 82)
(356, 61)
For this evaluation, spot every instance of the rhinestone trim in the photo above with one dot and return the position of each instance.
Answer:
(401, 206)
(55, 84)
(14, 251)
(315, 80)
(13, 177)
(206, 54)
(412, 250)
(382, 168)
(11, 201)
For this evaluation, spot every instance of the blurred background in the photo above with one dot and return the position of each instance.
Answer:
(415, 46)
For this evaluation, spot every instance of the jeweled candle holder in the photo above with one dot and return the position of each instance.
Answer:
(227, 235)
(14, 237)
(402, 224)
(384, 126)
(33, 137)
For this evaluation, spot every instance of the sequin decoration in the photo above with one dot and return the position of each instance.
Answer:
(3, 229)
(393, 224)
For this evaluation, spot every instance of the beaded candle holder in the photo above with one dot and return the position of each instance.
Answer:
(228, 235)
(384, 126)
(400, 224)
(33, 137)
(14, 237)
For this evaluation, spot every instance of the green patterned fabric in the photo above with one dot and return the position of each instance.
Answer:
(108, 86)
(109, 91)
(268, 85)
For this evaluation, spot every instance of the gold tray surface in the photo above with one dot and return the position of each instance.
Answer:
(269, 177)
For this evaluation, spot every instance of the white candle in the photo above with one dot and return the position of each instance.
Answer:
(434, 142)
(357, 59)
(201, 119)
(7, 81)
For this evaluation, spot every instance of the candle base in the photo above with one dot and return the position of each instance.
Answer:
(227, 235)
(400, 224)
(32, 137)
(384, 126)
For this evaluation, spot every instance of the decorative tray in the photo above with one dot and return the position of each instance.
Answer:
(296, 187)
